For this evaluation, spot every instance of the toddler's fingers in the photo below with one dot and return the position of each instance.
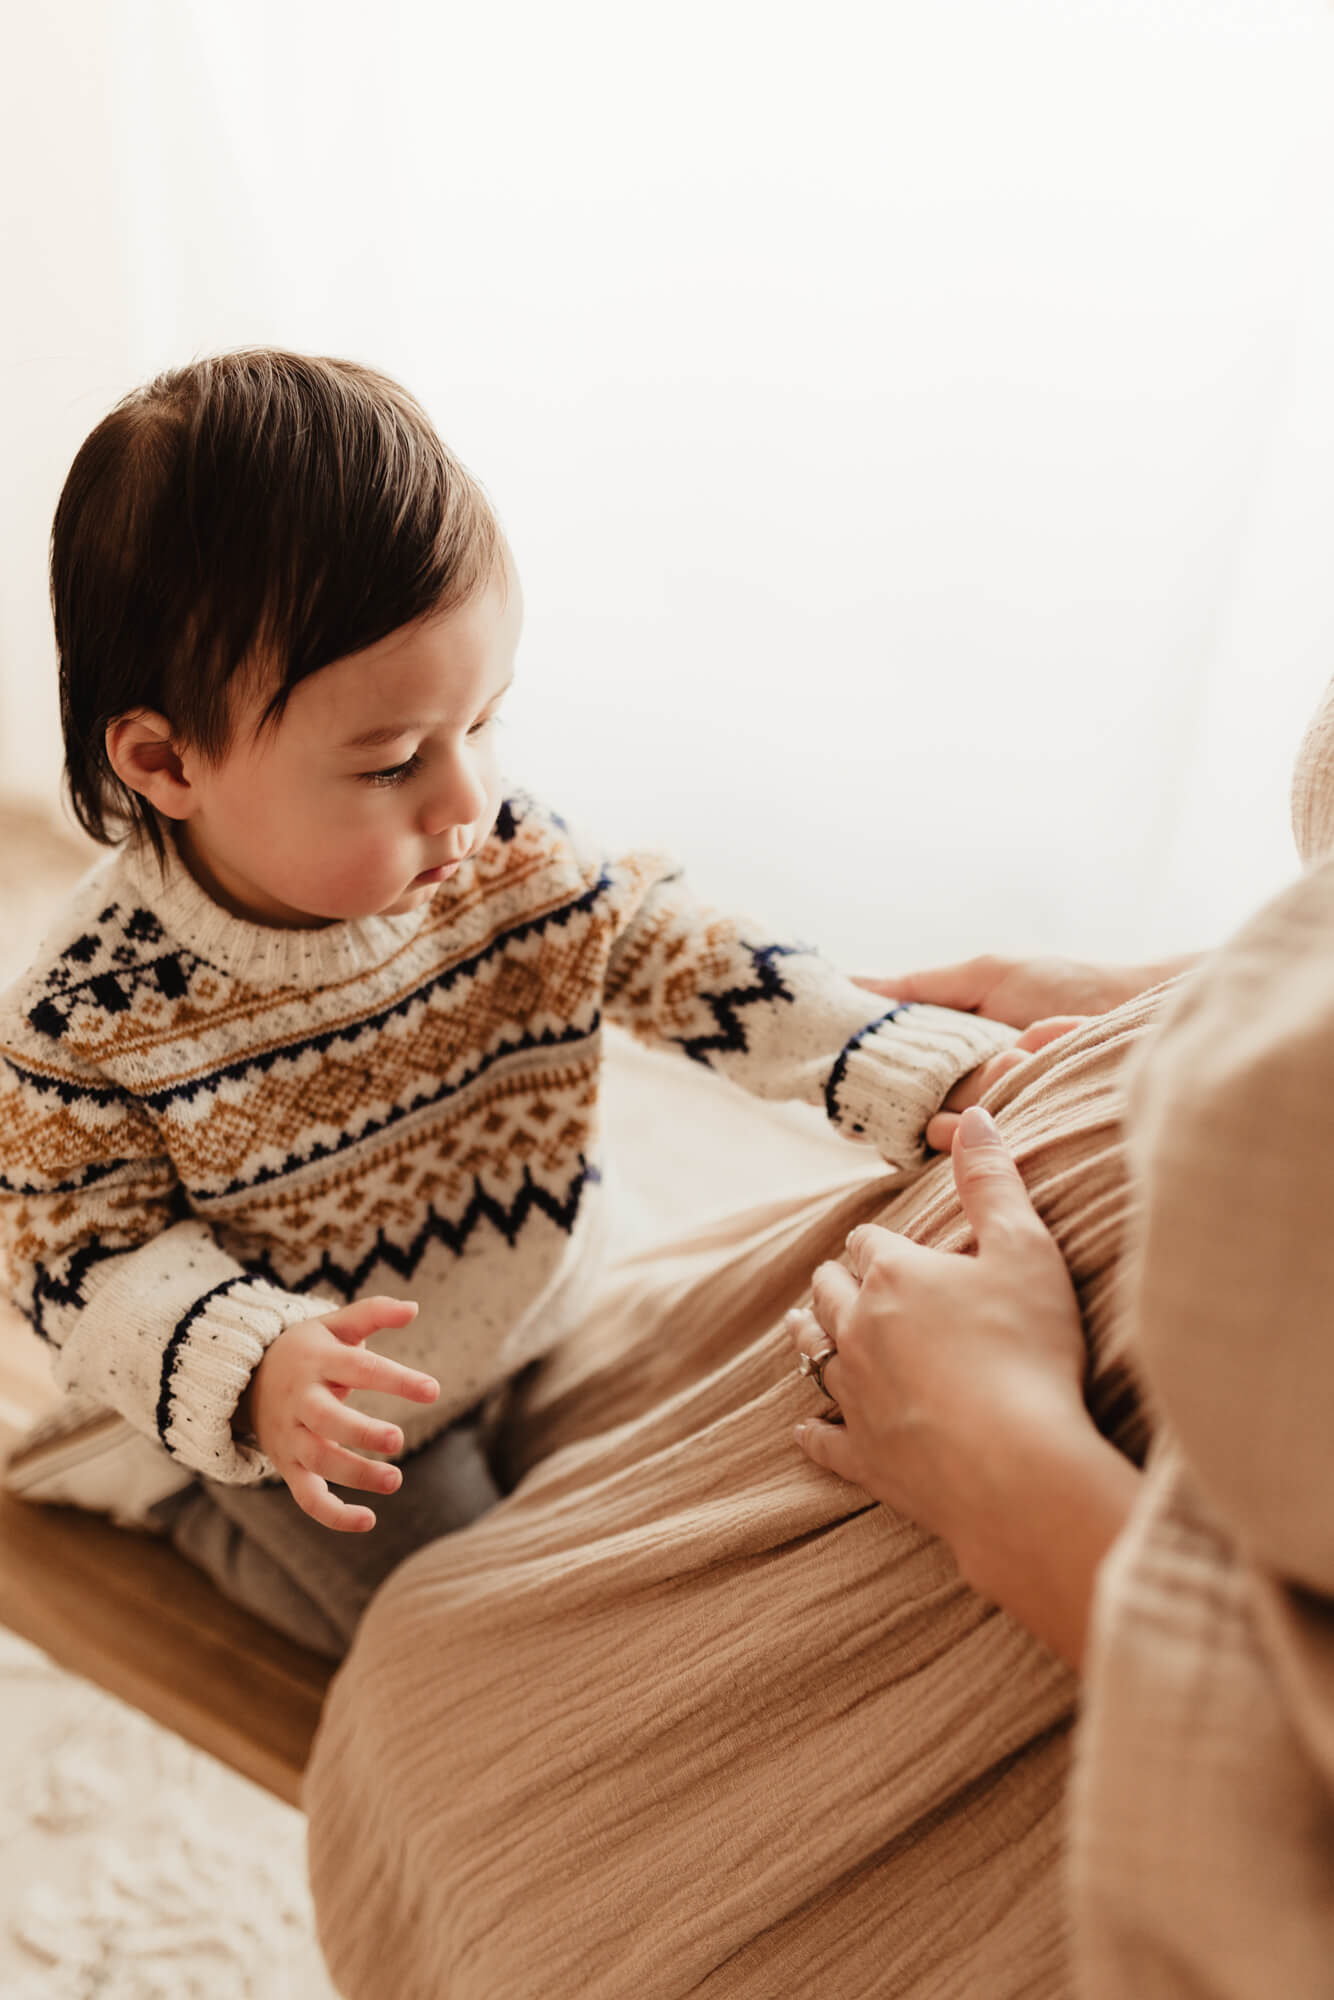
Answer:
(940, 1130)
(345, 1468)
(975, 1085)
(1050, 1030)
(354, 1368)
(332, 1419)
(313, 1497)
(364, 1317)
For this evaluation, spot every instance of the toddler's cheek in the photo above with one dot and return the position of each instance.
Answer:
(335, 880)
(370, 895)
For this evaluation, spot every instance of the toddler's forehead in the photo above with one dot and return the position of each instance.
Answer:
(358, 701)
(440, 667)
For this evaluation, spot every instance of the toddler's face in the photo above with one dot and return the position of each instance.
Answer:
(380, 779)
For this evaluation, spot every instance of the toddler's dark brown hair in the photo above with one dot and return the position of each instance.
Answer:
(258, 512)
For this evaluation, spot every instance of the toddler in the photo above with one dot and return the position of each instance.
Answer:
(326, 1025)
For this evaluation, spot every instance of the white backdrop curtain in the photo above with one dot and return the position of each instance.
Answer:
(914, 426)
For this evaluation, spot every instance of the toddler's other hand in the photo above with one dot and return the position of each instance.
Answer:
(296, 1401)
(971, 1089)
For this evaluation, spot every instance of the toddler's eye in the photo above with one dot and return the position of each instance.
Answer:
(395, 775)
(487, 722)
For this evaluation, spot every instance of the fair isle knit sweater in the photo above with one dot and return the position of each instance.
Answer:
(212, 1129)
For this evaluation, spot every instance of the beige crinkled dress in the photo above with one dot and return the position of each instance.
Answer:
(686, 1715)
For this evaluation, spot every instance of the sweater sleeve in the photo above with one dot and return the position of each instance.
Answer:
(784, 1023)
(146, 1312)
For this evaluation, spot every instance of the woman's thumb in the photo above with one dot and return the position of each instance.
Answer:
(988, 1180)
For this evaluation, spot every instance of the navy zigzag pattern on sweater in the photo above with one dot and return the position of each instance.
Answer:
(349, 1281)
(67, 1292)
(98, 1170)
(730, 1038)
(66, 1088)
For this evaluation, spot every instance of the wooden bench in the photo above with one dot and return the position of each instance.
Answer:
(124, 1610)
(119, 1608)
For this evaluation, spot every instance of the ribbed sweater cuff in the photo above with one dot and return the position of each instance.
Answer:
(897, 1072)
(206, 1367)
(170, 1336)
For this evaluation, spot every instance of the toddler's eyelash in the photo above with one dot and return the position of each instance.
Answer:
(395, 775)
(398, 774)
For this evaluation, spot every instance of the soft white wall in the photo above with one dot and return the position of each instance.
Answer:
(914, 429)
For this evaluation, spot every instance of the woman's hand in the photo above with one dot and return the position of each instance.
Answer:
(1022, 991)
(959, 1380)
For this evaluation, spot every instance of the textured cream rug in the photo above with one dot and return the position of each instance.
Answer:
(134, 1867)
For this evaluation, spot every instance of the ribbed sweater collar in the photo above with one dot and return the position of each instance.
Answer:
(263, 954)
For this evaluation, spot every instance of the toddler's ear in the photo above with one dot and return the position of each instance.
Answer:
(142, 753)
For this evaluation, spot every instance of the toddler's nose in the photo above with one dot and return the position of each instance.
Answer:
(455, 805)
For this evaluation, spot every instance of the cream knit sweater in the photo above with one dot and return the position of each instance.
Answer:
(211, 1129)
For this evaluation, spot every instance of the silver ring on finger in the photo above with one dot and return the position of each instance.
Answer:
(814, 1365)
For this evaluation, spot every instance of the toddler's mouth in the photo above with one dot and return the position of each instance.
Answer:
(441, 873)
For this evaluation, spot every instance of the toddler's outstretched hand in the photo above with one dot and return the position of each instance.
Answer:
(296, 1404)
(971, 1089)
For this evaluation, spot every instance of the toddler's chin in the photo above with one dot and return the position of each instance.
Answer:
(411, 899)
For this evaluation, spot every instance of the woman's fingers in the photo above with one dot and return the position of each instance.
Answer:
(803, 1329)
(833, 1295)
(809, 1337)
(939, 1354)
(991, 1189)
(964, 986)
(867, 1244)
(828, 1445)
(906, 988)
